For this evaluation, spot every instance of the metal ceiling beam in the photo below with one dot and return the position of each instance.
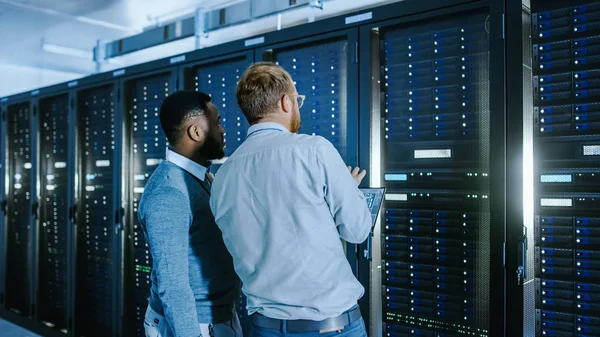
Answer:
(202, 23)
(82, 19)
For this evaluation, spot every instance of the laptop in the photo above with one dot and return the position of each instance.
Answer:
(374, 198)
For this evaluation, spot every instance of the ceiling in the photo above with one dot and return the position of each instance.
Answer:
(25, 25)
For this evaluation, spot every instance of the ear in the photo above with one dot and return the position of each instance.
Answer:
(286, 104)
(195, 133)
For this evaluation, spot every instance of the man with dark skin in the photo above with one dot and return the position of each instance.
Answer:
(194, 285)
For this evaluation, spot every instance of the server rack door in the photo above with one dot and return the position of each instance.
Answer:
(219, 78)
(148, 143)
(566, 88)
(21, 194)
(325, 70)
(53, 238)
(97, 246)
(434, 96)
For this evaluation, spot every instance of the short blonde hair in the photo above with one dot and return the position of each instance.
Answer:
(260, 89)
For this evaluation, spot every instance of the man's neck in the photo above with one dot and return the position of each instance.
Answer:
(273, 119)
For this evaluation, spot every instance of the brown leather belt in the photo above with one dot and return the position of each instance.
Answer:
(329, 324)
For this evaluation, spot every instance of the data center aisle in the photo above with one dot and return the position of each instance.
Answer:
(10, 330)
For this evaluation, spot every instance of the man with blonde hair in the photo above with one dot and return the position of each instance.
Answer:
(283, 201)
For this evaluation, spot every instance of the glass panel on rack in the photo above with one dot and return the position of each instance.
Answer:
(566, 55)
(219, 80)
(95, 250)
(18, 262)
(144, 98)
(319, 71)
(54, 212)
(436, 142)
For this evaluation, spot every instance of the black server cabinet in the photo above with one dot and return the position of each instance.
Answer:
(99, 215)
(146, 144)
(566, 88)
(218, 78)
(324, 69)
(55, 227)
(432, 102)
(20, 208)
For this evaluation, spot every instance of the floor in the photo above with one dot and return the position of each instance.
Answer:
(11, 330)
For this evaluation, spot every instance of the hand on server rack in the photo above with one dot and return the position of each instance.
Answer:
(357, 174)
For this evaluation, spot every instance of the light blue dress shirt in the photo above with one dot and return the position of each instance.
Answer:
(187, 164)
(282, 202)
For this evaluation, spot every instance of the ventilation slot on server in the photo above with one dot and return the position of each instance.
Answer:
(54, 212)
(219, 80)
(20, 175)
(436, 145)
(319, 71)
(144, 98)
(566, 65)
(96, 225)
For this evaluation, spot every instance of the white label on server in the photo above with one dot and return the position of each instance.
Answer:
(27, 166)
(50, 187)
(90, 188)
(153, 162)
(359, 18)
(556, 178)
(591, 150)
(120, 72)
(177, 59)
(255, 41)
(396, 177)
(102, 163)
(18, 186)
(60, 164)
(138, 190)
(556, 202)
(433, 154)
(396, 197)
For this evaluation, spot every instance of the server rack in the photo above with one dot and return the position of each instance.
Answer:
(566, 63)
(100, 214)
(55, 232)
(429, 118)
(145, 148)
(218, 77)
(325, 69)
(21, 209)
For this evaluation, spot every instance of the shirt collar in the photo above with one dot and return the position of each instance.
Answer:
(187, 164)
(267, 125)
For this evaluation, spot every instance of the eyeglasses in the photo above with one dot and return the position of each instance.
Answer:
(300, 99)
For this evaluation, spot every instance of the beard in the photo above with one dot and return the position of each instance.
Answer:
(213, 148)
(295, 122)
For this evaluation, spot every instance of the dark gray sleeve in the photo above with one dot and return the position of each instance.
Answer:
(167, 217)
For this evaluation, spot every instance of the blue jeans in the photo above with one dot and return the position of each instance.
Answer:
(355, 329)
